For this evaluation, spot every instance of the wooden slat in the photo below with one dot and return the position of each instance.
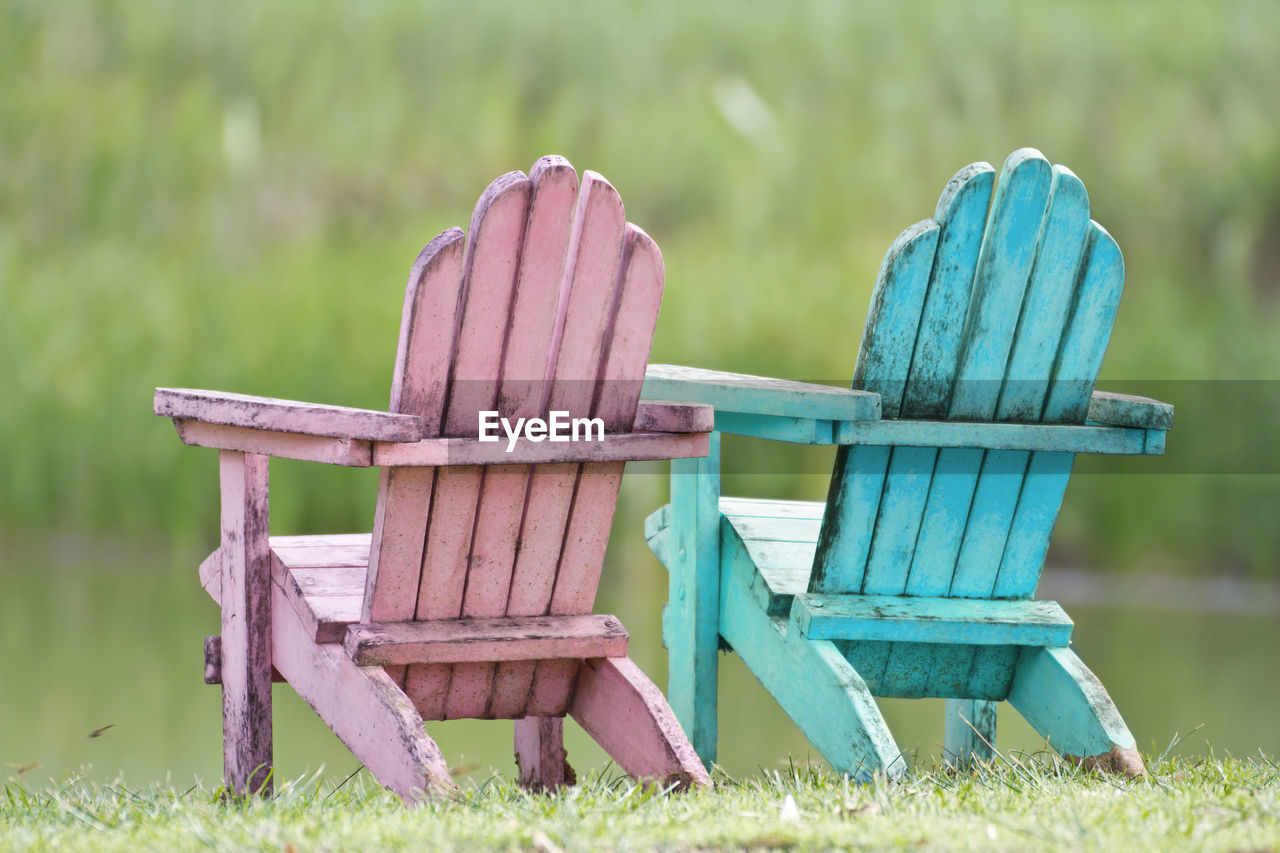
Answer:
(489, 277)
(775, 428)
(1070, 438)
(931, 620)
(758, 395)
(431, 305)
(1128, 410)
(659, 416)
(590, 277)
(213, 662)
(961, 214)
(284, 445)
(884, 361)
(616, 447)
(266, 413)
(734, 507)
(486, 640)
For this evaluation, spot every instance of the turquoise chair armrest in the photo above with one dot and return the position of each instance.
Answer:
(778, 409)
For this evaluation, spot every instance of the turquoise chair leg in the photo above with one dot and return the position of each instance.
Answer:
(690, 624)
(811, 679)
(1067, 704)
(970, 731)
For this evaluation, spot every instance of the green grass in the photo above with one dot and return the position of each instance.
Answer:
(1016, 803)
(230, 198)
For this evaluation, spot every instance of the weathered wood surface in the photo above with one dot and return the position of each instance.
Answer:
(612, 447)
(541, 761)
(266, 413)
(213, 662)
(740, 392)
(246, 624)
(911, 619)
(795, 430)
(1063, 701)
(662, 416)
(811, 679)
(352, 453)
(970, 732)
(628, 716)
(1129, 410)
(1067, 438)
(986, 331)
(690, 622)
(486, 639)
(476, 556)
(363, 706)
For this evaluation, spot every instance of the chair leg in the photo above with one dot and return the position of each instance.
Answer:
(811, 680)
(970, 731)
(246, 624)
(1066, 703)
(540, 755)
(629, 717)
(363, 706)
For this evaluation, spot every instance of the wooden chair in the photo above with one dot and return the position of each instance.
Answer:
(973, 391)
(472, 597)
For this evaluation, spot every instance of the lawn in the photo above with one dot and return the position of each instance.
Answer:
(1018, 802)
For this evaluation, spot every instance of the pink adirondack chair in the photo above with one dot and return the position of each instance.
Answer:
(472, 597)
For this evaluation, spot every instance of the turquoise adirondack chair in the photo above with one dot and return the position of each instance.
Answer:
(973, 391)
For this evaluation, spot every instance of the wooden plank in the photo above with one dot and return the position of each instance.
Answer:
(627, 715)
(931, 620)
(324, 557)
(691, 625)
(486, 639)
(246, 624)
(994, 501)
(328, 540)
(1063, 701)
(776, 529)
(884, 362)
(961, 214)
(775, 428)
(616, 447)
(1128, 410)
(418, 386)
(1077, 363)
(541, 762)
(309, 448)
(363, 706)
(758, 395)
(659, 416)
(970, 732)
(1070, 438)
(213, 662)
(266, 413)
(852, 501)
(811, 679)
(489, 275)
(733, 507)
(897, 525)
(601, 248)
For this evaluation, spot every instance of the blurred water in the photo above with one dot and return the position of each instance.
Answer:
(91, 637)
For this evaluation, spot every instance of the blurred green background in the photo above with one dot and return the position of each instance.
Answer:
(230, 195)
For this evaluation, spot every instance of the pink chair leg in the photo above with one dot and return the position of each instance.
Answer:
(366, 709)
(629, 717)
(540, 754)
(246, 624)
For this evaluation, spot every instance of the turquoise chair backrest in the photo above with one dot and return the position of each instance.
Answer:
(999, 308)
